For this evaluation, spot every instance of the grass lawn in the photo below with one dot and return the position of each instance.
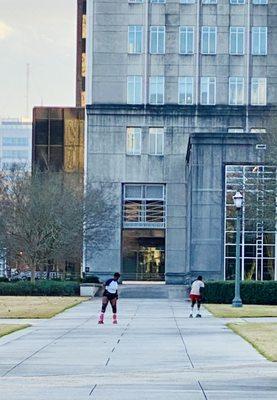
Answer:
(262, 336)
(35, 307)
(248, 310)
(6, 329)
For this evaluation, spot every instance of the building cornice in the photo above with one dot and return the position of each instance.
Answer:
(175, 109)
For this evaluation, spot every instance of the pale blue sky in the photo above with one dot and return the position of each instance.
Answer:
(42, 33)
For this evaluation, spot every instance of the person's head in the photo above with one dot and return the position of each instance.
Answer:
(116, 276)
(199, 278)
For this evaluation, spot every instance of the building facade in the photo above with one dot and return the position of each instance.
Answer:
(58, 138)
(177, 91)
(15, 144)
(81, 53)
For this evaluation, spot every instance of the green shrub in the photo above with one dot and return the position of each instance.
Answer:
(91, 279)
(40, 288)
(252, 292)
(2, 279)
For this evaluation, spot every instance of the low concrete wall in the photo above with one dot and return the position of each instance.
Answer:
(149, 291)
(89, 289)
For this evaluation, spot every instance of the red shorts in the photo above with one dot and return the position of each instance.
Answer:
(195, 297)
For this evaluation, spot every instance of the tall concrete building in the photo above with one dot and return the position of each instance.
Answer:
(177, 91)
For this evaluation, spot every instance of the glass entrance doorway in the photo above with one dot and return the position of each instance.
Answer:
(143, 255)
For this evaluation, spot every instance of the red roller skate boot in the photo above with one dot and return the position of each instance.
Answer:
(101, 319)
(115, 319)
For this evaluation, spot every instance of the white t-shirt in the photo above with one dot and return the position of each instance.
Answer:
(195, 287)
(111, 286)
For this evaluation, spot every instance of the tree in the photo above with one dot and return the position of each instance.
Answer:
(46, 217)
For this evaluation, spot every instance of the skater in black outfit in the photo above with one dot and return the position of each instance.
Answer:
(110, 295)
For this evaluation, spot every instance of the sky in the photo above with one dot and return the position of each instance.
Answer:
(41, 33)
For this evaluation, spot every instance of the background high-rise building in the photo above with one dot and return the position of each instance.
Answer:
(81, 53)
(58, 132)
(15, 144)
(58, 138)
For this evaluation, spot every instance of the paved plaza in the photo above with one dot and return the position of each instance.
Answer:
(155, 353)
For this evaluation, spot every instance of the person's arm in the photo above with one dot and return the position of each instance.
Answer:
(201, 289)
(107, 283)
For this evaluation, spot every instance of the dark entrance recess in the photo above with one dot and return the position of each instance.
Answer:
(143, 255)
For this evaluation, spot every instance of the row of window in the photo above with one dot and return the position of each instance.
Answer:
(208, 40)
(15, 141)
(144, 192)
(17, 154)
(144, 206)
(259, 2)
(186, 90)
(156, 141)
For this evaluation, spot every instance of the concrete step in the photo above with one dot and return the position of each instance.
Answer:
(153, 291)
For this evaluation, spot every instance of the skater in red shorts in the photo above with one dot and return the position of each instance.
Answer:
(196, 295)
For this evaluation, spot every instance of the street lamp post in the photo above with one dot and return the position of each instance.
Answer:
(238, 204)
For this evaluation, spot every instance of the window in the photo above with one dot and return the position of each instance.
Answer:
(156, 141)
(83, 83)
(260, 2)
(134, 89)
(84, 43)
(185, 90)
(156, 90)
(209, 1)
(258, 91)
(15, 154)
(259, 40)
(135, 39)
(157, 39)
(236, 91)
(208, 90)
(15, 141)
(235, 130)
(208, 40)
(237, 1)
(158, 1)
(257, 130)
(187, 1)
(135, 1)
(186, 40)
(236, 43)
(144, 206)
(133, 141)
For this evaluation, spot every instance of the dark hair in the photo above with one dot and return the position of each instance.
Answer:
(199, 278)
(116, 275)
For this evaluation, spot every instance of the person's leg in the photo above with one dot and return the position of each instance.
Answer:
(198, 308)
(103, 310)
(192, 305)
(114, 308)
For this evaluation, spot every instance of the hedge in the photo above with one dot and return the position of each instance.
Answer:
(40, 288)
(91, 279)
(252, 292)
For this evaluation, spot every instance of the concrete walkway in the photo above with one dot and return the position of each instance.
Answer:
(156, 352)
